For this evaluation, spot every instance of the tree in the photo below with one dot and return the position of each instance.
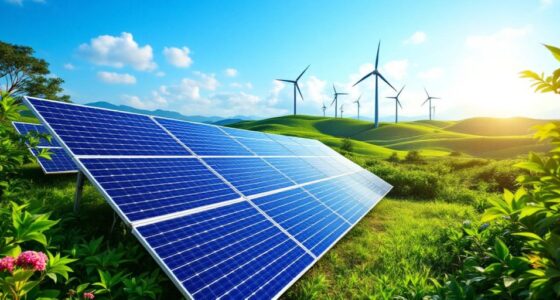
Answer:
(23, 74)
(346, 145)
(546, 84)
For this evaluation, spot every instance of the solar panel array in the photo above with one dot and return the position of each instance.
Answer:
(227, 213)
(60, 162)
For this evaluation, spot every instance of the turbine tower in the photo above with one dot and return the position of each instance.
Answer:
(335, 100)
(358, 104)
(377, 76)
(324, 108)
(429, 100)
(434, 112)
(397, 102)
(296, 87)
(341, 110)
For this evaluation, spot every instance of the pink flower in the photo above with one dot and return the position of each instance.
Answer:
(7, 264)
(32, 260)
(89, 295)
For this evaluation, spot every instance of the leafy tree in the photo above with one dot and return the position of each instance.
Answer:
(549, 83)
(23, 74)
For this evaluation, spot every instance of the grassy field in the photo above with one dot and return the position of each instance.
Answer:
(394, 251)
(480, 137)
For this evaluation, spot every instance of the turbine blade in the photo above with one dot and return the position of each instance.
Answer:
(286, 80)
(302, 73)
(425, 101)
(399, 103)
(435, 97)
(297, 87)
(342, 93)
(377, 56)
(334, 88)
(367, 75)
(427, 92)
(400, 91)
(333, 101)
(387, 82)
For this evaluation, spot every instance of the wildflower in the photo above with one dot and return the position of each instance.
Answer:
(32, 260)
(89, 295)
(7, 264)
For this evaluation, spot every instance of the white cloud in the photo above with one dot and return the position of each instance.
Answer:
(118, 51)
(432, 73)
(116, 78)
(315, 90)
(230, 72)
(395, 69)
(416, 38)
(69, 66)
(498, 41)
(160, 74)
(545, 3)
(207, 81)
(178, 57)
(277, 87)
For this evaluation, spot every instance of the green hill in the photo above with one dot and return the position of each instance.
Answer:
(484, 137)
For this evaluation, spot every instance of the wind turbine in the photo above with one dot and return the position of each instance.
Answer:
(358, 104)
(429, 99)
(377, 76)
(341, 110)
(397, 102)
(434, 111)
(335, 100)
(296, 87)
(324, 108)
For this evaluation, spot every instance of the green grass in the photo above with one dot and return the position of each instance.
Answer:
(392, 251)
(481, 137)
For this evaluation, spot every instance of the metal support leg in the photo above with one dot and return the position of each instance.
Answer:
(78, 193)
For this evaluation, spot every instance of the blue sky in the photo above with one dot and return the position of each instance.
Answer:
(221, 57)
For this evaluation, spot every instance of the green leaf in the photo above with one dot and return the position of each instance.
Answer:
(530, 166)
(529, 211)
(554, 50)
(500, 249)
(529, 235)
(508, 281)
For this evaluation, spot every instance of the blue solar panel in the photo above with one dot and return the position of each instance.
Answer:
(243, 218)
(60, 162)
(340, 198)
(312, 223)
(149, 187)
(94, 131)
(264, 147)
(25, 128)
(296, 169)
(230, 252)
(246, 133)
(203, 139)
(249, 175)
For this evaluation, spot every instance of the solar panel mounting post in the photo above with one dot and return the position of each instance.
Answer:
(78, 194)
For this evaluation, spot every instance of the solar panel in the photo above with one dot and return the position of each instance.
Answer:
(59, 163)
(204, 139)
(91, 131)
(226, 213)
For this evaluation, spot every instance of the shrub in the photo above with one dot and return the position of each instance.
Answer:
(455, 153)
(413, 157)
(394, 157)
(346, 145)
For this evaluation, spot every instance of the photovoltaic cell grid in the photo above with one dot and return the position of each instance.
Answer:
(60, 162)
(227, 213)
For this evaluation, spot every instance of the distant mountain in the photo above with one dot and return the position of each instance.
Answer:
(171, 114)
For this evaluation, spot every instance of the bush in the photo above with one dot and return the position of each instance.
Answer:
(346, 145)
(394, 157)
(413, 157)
(415, 184)
(455, 153)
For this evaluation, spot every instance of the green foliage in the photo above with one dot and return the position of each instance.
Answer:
(346, 145)
(23, 74)
(394, 157)
(413, 157)
(542, 83)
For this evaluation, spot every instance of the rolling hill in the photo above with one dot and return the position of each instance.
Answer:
(482, 137)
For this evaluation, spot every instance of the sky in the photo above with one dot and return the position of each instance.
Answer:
(221, 58)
